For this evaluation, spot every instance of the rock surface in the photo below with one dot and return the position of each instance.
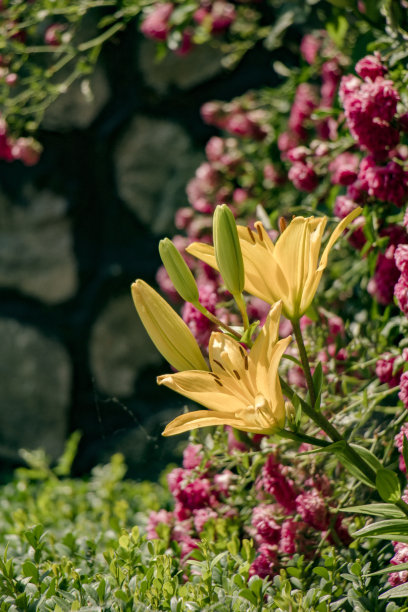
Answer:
(80, 104)
(174, 71)
(35, 374)
(119, 348)
(154, 161)
(36, 247)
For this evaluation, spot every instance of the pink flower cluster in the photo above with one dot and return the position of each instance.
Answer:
(200, 495)
(400, 548)
(384, 283)
(293, 516)
(370, 107)
(215, 15)
(239, 117)
(398, 442)
(27, 150)
(401, 287)
(304, 173)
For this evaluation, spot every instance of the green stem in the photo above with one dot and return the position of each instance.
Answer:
(303, 438)
(216, 321)
(305, 361)
(242, 308)
(331, 431)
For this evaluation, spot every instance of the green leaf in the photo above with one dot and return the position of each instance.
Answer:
(405, 451)
(392, 529)
(391, 568)
(249, 595)
(388, 485)
(31, 570)
(399, 591)
(381, 510)
(317, 384)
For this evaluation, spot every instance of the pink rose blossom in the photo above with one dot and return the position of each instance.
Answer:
(370, 67)
(312, 508)
(344, 168)
(155, 519)
(156, 24)
(401, 556)
(303, 176)
(309, 47)
(263, 520)
(202, 516)
(403, 394)
(192, 456)
(384, 370)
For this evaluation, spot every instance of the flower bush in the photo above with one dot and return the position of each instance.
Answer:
(292, 338)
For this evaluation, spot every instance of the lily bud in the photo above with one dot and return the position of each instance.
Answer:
(178, 271)
(171, 336)
(227, 250)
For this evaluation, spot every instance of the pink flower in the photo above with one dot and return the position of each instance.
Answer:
(382, 286)
(53, 34)
(202, 516)
(303, 176)
(401, 258)
(200, 326)
(197, 494)
(303, 105)
(220, 15)
(401, 556)
(156, 24)
(403, 394)
(192, 456)
(398, 442)
(155, 519)
(331, 75)
(401, 293)
(344, 168)
(266, 564)
(384, 370)
(275, 483)
(291, 536)
(370, 67)
(286, 141)
(309, 47)
(369, 109)
(312, 508)
(388, 182)
(223, 481)
(263, 520)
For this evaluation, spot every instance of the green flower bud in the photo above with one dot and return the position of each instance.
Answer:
(227, 250)
(172, 337)
(178, 271)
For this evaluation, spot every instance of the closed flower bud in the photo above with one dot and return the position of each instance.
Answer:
(171, 336)
(178, 271)
(227, 250)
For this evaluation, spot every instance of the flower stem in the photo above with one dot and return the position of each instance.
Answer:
(332, 432)
(216, 321)
(242, 308)
(303, 438)
(305, 361)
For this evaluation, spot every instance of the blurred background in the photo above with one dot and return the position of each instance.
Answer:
(78, 228)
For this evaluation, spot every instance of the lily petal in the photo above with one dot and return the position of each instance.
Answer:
(201, 418)
(206, 389)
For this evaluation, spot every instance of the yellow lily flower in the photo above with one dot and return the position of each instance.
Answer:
(172, 337)
(288, 270)
(242, 390)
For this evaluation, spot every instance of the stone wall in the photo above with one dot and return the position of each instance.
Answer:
(77, 229)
